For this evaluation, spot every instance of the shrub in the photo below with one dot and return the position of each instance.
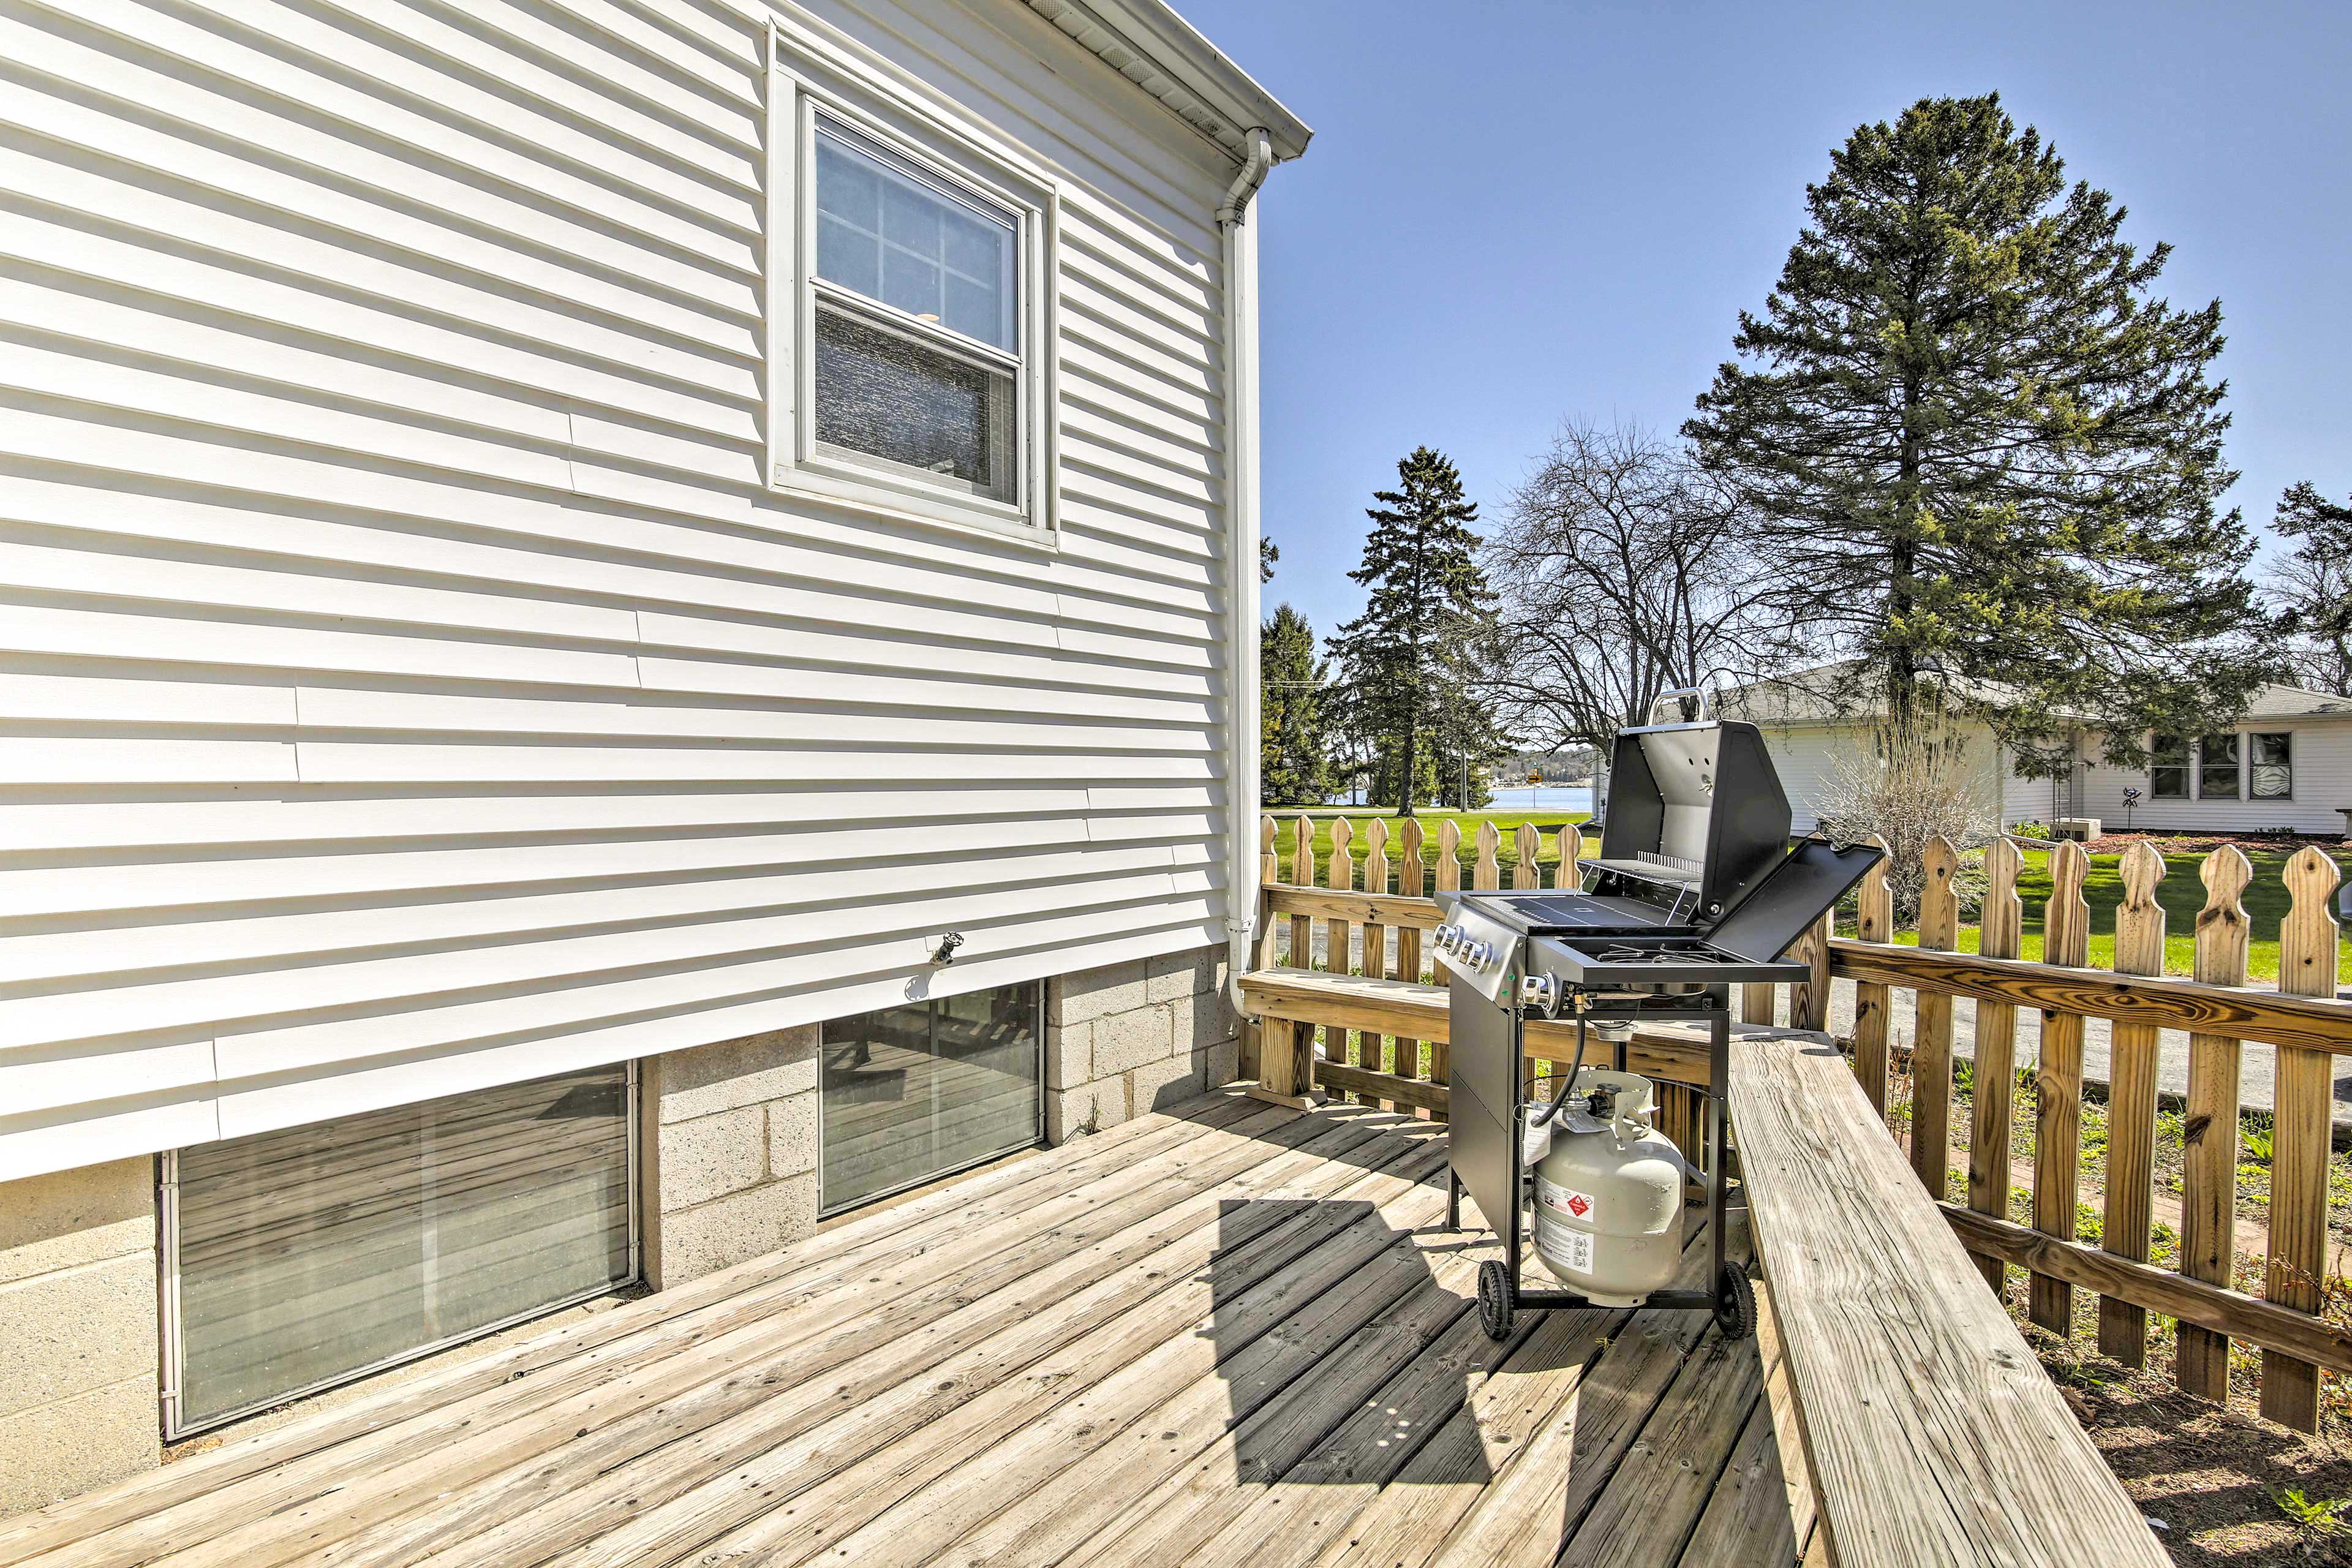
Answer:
(1912, 784)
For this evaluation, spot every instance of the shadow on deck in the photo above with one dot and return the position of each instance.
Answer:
(1223, 1334)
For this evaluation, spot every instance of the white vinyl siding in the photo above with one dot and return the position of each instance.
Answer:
(2321, 753)
(409, 681)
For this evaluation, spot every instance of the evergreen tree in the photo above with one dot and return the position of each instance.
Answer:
(2312, 586)
(1978, 444)
(1406, 663)
(1294, 764)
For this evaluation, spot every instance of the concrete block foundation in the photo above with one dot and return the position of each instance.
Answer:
(1127, 1038)
(727, 1153)
(77, 1332)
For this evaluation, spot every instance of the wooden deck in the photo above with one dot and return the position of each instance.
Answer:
(1234, 1334)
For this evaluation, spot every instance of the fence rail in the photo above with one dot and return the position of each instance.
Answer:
(1366, 1054)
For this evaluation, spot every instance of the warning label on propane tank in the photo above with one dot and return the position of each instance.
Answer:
(1581, 1208)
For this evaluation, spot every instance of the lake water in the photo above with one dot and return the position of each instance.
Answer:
(1543, 800)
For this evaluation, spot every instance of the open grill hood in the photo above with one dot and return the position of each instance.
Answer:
(1696, 818)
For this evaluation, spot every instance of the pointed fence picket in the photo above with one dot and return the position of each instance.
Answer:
(2000, 934)
(2208, 1182)
(2303, 1020)
(2304, 1095)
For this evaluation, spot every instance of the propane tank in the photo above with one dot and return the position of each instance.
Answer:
(1609, 1190)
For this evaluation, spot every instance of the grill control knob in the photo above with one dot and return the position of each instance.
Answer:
(1446, 937)
(1541, 991)
(1478, 955)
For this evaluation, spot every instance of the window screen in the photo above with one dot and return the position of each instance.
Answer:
(2217, 767)
(2167, 769)
(2272, 769)
(305, 1257)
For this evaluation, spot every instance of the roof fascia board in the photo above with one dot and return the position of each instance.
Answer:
(1150, 30)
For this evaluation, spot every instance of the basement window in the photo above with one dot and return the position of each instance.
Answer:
(909, 339)
(297, 1259)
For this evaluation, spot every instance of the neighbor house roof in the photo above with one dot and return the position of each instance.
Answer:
(1147, 43)
(1829, 694)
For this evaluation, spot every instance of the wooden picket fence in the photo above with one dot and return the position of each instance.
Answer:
(2301, 1323)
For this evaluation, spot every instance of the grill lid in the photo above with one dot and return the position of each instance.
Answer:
(1812, 877)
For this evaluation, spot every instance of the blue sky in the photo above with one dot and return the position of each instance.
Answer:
(1516, 212)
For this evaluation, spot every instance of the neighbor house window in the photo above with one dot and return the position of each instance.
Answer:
(2271, 773)
(2167, 767)
(2217, 767)
(909, 337)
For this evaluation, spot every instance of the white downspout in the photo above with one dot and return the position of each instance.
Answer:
(1241, 570)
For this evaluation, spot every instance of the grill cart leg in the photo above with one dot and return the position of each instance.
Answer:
(1453, 1200)
(1735, 1298)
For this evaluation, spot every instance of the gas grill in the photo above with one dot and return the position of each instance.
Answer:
(1696, 888)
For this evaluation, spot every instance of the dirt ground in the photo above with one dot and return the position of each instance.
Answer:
(2214, 1481)
(2220, 1484)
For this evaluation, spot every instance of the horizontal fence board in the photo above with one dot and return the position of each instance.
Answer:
(2164, 1001)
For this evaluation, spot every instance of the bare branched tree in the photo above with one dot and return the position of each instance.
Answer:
(1623, 572)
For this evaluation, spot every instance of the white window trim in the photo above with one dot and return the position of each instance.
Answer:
(932, 142)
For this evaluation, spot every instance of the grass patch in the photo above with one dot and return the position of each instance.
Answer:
(1506, 823)
(2180, 893)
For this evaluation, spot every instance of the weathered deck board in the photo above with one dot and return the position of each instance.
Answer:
(1233, 1335)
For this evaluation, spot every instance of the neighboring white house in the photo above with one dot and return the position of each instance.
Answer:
(623, 623)
(2285, 766)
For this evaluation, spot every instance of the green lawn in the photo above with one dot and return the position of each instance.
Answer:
(1506, 822)
(2180, 892)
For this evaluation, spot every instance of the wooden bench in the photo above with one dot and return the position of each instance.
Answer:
(1290, 1003)
(1932, 1435)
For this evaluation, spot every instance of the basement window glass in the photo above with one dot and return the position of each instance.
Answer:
(308, 1257)
(2167, 769)
(2217, 767)
(2271, 771)
(918, 367)
(910, 1093)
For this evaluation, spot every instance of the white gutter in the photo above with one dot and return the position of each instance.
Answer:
(1240, 561)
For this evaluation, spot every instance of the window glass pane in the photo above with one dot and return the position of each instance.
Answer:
(2216, 771)
(987, 1044)
(850, 257)
(310, 1254)
(891, 236)
(930, 413)
(914, 1092)
(2272, 770)
(875, 1080)
(2168, 771)
(912, 284)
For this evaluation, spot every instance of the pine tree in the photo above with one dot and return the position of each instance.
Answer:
(1294, 763)
(2312, 586)
(1980, 445)
(1406, 663)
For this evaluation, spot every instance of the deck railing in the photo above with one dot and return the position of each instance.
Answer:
(2088, 1215)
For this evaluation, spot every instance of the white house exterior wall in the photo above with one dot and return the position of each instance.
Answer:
(406, 682)
(1808, 758)
(2323, 784)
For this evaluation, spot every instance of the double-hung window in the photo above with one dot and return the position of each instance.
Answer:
(2217, 767)
(909, 312)
(2167, 768)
